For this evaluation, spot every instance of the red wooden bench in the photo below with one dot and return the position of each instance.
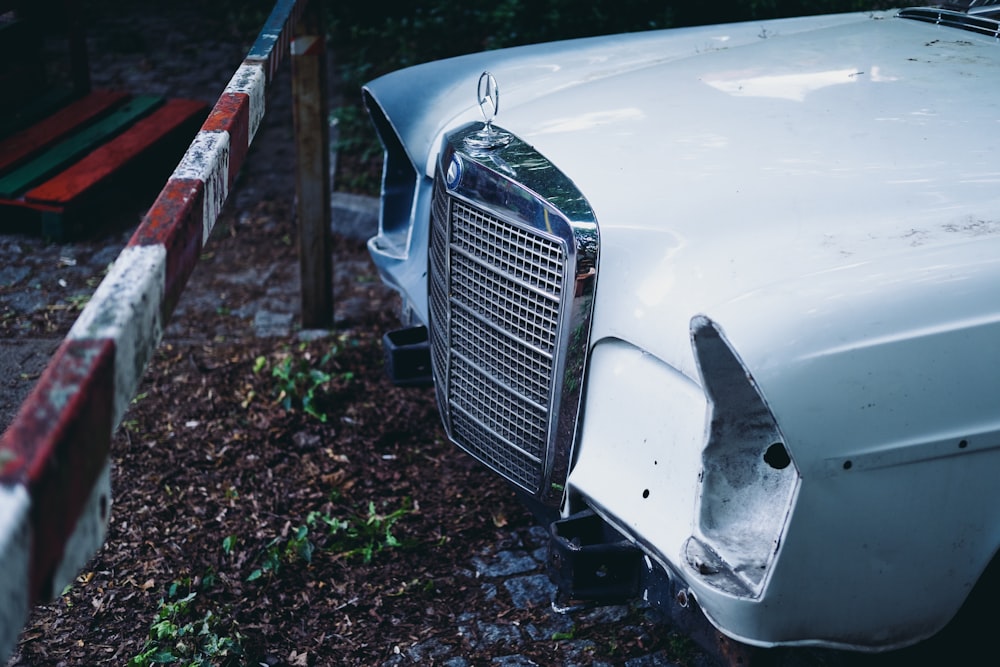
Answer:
(56, 175)
(69, 155)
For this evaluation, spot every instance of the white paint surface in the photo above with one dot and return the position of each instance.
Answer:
(126, 308)
(15, 554)
(250, 80)
(207, 160)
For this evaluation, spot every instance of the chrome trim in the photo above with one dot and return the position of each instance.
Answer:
(971, 6)
(488, 98)
(973, 22)
(511, 238)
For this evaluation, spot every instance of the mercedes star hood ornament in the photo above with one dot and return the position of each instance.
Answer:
(488, 97)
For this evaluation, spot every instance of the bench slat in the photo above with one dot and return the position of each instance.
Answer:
(117, 153)
(73, 147)
(17, 148)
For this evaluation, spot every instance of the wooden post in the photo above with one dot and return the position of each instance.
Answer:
(312, 142)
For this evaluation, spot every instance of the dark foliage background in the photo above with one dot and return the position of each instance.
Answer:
(375, 38)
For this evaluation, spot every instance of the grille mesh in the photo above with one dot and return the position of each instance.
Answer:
(495, 295)
(438, 296)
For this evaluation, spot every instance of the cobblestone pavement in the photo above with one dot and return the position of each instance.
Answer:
(511, 574)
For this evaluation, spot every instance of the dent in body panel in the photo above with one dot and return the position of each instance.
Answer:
(748, 479)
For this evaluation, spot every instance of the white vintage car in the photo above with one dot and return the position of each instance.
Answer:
(727, 301)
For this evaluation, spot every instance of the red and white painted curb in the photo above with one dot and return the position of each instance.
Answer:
(55, 471)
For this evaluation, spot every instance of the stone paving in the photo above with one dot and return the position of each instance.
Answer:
(511, 575)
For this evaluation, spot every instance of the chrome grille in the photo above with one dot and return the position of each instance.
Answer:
(496, 291)
(438, 287)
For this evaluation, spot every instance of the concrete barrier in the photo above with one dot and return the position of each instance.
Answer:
(55, 491)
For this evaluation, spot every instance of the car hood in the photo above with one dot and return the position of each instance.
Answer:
(768, 165)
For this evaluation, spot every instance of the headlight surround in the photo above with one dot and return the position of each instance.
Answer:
(749, 479)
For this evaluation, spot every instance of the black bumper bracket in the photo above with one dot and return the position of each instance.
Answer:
(589, 561)
(408, 357)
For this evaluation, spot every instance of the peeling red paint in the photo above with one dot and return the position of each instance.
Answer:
(232, 114)
(175, 221)
(58, 445)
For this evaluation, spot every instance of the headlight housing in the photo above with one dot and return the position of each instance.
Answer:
(749, 479)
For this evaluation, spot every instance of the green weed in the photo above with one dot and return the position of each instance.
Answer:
(78, 301)
(178, 634)
(296, 547)
(300, 382)
(364, 535)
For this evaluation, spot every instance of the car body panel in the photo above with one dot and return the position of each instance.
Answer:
(823, 193)
(837, 547)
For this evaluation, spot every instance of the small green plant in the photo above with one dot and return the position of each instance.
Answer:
(259, 364)
(296, 547)
(365, 535)
(180, 635)
(300, 382)
(270, 562)
(78, 301)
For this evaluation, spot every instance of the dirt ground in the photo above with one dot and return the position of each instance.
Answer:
(277, 500)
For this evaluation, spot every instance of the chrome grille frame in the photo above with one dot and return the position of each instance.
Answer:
(512, 267)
